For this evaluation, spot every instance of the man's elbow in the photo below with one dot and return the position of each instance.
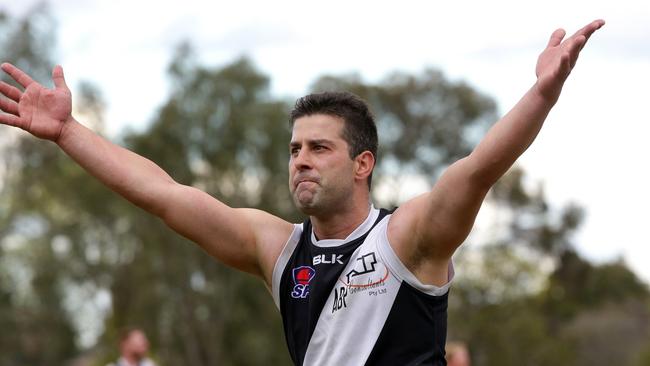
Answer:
(478, 175)
(158, 200)
(485, 173)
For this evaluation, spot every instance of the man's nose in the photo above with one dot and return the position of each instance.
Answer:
(302, 160)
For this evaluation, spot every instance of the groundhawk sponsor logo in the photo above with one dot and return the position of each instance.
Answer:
(368, 262)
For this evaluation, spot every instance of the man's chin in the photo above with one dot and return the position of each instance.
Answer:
(306, 209)
(306, 206)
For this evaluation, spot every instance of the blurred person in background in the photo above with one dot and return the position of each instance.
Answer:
(134, 347)
(457, 354)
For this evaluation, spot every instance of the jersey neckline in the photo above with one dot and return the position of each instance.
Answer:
(365, 226)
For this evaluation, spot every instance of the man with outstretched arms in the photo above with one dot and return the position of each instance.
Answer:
(355, 285)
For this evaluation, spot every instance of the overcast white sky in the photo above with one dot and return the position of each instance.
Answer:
(593, 150)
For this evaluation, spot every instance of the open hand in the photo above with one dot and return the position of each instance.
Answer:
(38, 110)
(558, 59)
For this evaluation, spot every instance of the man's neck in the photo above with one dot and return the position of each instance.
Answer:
(341, 225)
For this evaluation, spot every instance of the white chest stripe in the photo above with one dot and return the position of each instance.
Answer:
(355, 312)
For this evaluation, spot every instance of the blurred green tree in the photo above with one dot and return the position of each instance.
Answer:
(527, 297)
(65, 239)
(36, 329)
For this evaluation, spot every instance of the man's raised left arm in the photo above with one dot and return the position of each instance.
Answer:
(430, 227)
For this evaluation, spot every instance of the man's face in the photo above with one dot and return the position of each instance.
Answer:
(321, 173)
(136, 344)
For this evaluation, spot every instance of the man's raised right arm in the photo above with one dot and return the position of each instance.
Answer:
(246, 239)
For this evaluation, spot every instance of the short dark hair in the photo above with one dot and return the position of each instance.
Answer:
(359, 131)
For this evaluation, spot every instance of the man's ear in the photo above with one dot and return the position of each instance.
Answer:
(363, 165)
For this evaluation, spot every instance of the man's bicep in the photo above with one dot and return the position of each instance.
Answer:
(452, 205)
(230, 235)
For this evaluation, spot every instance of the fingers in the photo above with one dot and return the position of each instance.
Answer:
(8, 106)
(59, 79)
(565, 66)
(17, 74)
(9, 119)
(577, 47)
(10, 91)
(577, 44)
(556, 37)
(586, 32)
(589, 29)
(574, 44)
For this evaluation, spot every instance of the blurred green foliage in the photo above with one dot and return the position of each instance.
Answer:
(523, 296)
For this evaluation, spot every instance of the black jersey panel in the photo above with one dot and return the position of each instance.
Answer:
(420, 320)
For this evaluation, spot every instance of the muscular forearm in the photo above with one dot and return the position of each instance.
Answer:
(132, 176)
(510, 136)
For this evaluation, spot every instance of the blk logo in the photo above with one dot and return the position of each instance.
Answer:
(327, 259)
(301, 277)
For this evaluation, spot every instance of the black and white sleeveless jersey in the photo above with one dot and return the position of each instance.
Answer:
(353, 302)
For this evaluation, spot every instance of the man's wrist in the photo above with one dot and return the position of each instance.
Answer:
(546, 95)
(65, 132)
